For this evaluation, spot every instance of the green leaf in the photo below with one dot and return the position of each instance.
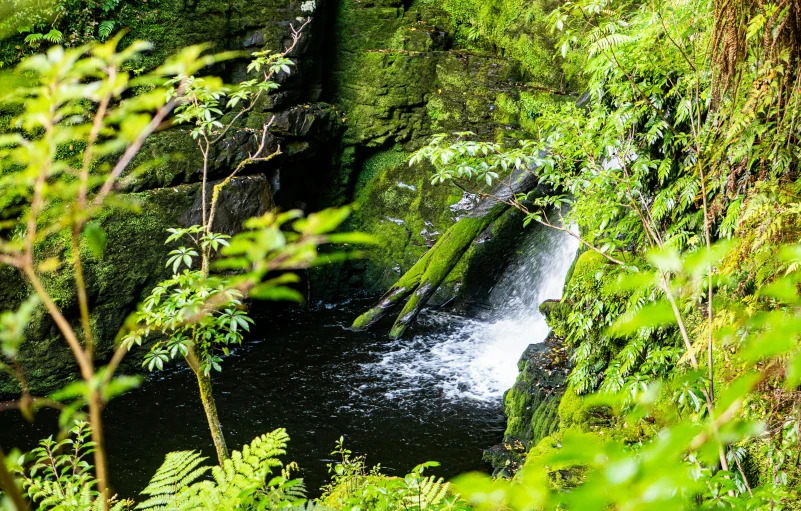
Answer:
(323, 222)
(96, 239)
(353, 237)
(268, 291)
(649, 316)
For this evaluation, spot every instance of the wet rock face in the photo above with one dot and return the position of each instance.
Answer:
(255, 25)
(397, 79)
(168, 192)
(531, 405)
(241, 199)
(306, 135)
(134, 262)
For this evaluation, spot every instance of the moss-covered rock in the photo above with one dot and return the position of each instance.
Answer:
(562, 475)
(580, 415)
(170, 25)
(134, 261)
(515, 28)
(398, 78)
(469, 91)
(304, 133)
(531, 405)
(399, 206)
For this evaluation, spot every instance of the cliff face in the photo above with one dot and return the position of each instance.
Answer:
(373, 80)
(168, 194)
(400, 72)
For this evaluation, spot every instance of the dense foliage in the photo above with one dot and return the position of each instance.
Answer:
(679, 168)
(677, 171)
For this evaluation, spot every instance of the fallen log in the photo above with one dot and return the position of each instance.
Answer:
(424, 278)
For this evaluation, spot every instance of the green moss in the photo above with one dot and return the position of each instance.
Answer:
(518, 28)
(531, 415)
(444, 256)
(507, 109)
(469, 88)
(379, 162)
(561, 475)
(398, 205)
(132, 264)
(168, 158)
(437, 112)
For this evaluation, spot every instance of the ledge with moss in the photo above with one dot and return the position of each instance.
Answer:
(133, 262)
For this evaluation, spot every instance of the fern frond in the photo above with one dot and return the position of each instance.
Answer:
(105, 28)
(54, 36)
(179, 470)
(431, 491)
(242, 479)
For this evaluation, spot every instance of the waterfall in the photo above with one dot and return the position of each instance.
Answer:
(477, 358)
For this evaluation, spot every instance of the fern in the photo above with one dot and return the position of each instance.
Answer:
(426, 492)
(242, 479)
(34, 39)
(610, 41)
(179, 470)
(60, 479)
(54, 36)
(105, 29)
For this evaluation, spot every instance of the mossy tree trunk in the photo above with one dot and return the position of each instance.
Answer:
(424, 278)
(445, 255)
(209, 406)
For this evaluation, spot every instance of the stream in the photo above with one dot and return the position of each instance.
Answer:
(434, 395)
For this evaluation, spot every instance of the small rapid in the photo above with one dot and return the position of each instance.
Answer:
(477, 358)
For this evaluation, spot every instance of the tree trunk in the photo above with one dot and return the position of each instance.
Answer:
(210, 406)
(425, 277)
(452, 246)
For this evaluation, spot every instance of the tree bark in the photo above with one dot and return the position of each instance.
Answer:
(210, 406)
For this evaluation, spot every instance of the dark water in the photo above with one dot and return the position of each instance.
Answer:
(307, 373)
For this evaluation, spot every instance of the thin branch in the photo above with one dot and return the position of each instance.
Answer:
(133, 149)
(296, 32)
(80, 284)
(84, 363)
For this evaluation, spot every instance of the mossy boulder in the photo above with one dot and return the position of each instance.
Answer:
(561, 475)
(584, 414)
(531, 404)
(581, 415)
(555, 311)
(385, 100)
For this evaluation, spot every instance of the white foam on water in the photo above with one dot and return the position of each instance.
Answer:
(470, 358)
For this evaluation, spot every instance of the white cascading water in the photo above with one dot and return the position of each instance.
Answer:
(471, 358)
